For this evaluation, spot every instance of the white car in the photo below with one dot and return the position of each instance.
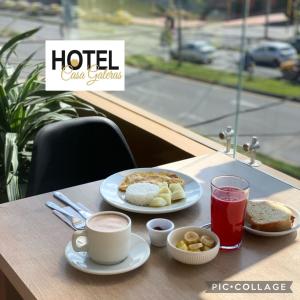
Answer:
(273, 53)
(200, 52)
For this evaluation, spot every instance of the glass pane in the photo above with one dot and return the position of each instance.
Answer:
(179, 57)
(182, 64)
(268, 108)
(183, 60)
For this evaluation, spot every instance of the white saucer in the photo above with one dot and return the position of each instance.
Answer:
(138, 254)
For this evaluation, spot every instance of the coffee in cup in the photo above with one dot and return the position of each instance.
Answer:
(108, 222)
(107, 237)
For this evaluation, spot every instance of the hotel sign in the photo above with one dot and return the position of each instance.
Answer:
(85, 65)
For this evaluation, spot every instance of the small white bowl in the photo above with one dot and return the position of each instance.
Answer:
(158, 238)
(192, 258)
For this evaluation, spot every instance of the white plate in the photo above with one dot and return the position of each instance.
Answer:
(138, 254)
(296, 225)
(109, 190)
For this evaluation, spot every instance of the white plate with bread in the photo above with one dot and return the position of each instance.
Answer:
(271, 218)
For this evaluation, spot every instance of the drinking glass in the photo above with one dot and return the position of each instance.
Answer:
(229, 195)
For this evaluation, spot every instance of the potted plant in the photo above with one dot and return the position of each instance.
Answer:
(25, 107)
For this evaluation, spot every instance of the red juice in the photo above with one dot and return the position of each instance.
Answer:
(228, 206)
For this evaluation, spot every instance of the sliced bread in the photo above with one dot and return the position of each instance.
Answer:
(269, 216)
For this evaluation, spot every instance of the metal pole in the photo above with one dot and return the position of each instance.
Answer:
(229, 8)
(296, 16)
(67, 18)
(179, 31)
(268, 12)
(240, 74)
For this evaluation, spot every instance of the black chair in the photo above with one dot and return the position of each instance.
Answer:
(77, 151)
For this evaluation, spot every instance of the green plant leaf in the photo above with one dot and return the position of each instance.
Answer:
(4, 107)
(30, 84)
(43, 93)
(10, 52)
(3, 72)
(13, 41)
(14, 77)
(11, 165)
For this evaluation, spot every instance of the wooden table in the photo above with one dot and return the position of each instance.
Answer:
(33, 242)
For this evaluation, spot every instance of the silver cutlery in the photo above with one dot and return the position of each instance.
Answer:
(65, 219)
(76, 222)
(83, 207)
(60, 196)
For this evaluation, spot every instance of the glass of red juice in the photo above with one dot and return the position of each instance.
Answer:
(229, 195)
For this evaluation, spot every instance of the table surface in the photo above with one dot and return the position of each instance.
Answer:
(34, 239)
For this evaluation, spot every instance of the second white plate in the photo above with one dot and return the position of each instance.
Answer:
(296, 225)
(109, 190)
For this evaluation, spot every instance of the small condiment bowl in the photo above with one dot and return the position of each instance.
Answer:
(187, 257)
(158, 230)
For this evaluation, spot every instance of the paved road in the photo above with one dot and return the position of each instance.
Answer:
(206, 108)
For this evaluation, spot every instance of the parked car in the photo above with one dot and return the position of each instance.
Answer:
(273, 53)
(295, 42)
(200, 52)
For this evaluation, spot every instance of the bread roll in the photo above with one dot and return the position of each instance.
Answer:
(269, 216)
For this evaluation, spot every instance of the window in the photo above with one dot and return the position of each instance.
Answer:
(199, 92)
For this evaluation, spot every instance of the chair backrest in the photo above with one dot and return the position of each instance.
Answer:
(77, 151)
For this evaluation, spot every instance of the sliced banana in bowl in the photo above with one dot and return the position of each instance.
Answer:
(193, 245)
(191, 237)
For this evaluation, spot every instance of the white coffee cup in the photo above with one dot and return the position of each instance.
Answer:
(107, 237)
